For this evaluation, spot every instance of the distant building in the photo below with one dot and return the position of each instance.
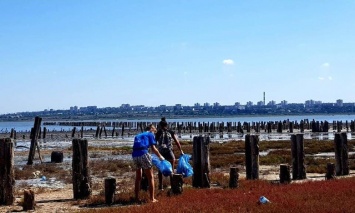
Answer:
(271, 103)
(260, 103)
(339, 103)
(249, 103)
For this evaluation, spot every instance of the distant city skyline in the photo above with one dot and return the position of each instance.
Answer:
(57, 54)
(338, 102)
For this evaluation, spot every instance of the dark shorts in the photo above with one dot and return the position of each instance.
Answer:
(168, 154)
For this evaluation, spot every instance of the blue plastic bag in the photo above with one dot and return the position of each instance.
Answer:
(164, 166)
(184, 167)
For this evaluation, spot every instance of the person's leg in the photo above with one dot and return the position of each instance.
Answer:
(138, 183)
(149, 175)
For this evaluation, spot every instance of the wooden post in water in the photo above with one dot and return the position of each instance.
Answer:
(341, 154)
(7, 176)
(297, 150)
(201, 162)
(233, 177)
(37, 126)
(330, 171)
(285, 176)
(82, 132)
(73, 132)
(28, 200)
(291, 127)
(97, 132)
(252, 156)
(81, 179)
(110, 189)
(44, 132)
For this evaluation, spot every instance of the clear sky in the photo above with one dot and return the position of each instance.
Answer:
(61, 53)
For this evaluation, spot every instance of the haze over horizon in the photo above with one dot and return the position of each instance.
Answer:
(60, 53)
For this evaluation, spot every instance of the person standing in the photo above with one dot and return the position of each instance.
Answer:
(165, 137)
(143, 160)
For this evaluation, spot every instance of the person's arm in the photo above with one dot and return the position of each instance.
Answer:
(177, 143)
(152, 143)
(155, 150)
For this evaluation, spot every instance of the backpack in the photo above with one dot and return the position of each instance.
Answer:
(165, 140)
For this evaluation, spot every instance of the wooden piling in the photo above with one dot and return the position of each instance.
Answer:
(252, 156)
(7, 176)
(28, 200)
(330, 171)
(285, 176)
(297, 151)
(177, 183)
(110, 189)
(34, 134)
(341, 154)
(233, 177)
(57, 157)
(201, 161)
(81, 178)
(73, 132)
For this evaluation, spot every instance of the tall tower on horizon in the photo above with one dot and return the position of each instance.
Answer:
(264, 98)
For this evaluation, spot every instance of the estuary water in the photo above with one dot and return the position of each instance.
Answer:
(23, 126)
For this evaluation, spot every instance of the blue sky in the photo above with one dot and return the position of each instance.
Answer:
(61, 53)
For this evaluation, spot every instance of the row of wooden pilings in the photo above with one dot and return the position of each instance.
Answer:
(119, 128)
(269, 126)
(201, 164)
(201, 167)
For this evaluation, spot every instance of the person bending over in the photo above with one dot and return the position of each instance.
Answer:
(143, 160)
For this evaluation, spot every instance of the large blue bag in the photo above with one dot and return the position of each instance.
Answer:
(184, 167)
(164, 166)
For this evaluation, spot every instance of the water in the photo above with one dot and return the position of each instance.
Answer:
(23, 126)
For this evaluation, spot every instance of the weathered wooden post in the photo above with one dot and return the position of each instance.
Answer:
(144, 182)
(291, 127)
(122, 130)
(57, 157)
(81, 179)
(7, 177)
(97, 132)
(176, 184)
(82, 132)
(330, 171)
(201, 161)
(110, 189)
(100, 132)
(233, 177)
(279, 127)
(285, 176)
(297, 150)
(28, 200)
(12, 133)
(113, 131)
(73, 132)
(44, 132)
(341, 154)
(252, 156)
(105, 132)
(302, 126)
(37, 126)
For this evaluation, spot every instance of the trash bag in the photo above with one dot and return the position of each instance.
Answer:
(184, 167)
(164, 166)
